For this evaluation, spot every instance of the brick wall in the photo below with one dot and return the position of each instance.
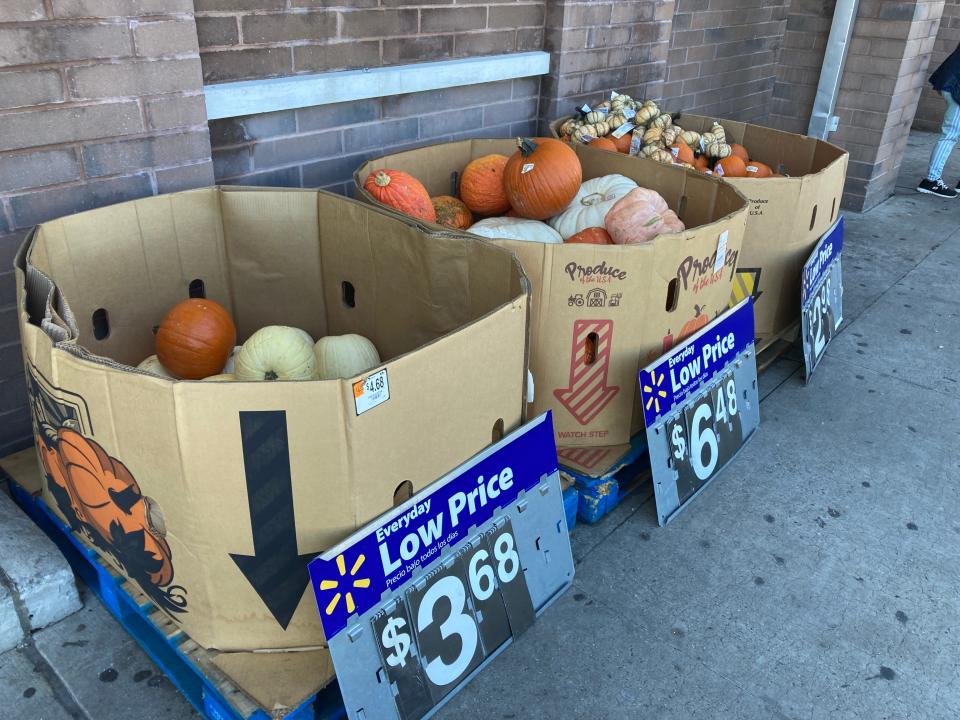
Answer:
(100, 101)
(322, 146)
(798, 69)
(886, 69)
(723, 57)
(599, 46)
(931, 108)
(242, 39)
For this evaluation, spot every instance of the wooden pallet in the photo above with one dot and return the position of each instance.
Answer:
(191, 668)
(774, 347)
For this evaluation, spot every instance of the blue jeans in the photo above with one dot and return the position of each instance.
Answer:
(950, 133)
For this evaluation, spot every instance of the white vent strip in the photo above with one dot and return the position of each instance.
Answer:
(251, 97)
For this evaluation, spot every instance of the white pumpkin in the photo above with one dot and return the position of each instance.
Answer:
(231, 365)
(590, 205)
(516, 229)
(343, 356)
(222, 377)
(152, 365)
(277, 352)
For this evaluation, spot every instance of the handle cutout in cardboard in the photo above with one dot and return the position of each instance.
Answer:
(497, 434)
(590, 348)
(403, 493)
(197, 289)
(813, 217)
(673, 295)
(101, 324)
(348, 294)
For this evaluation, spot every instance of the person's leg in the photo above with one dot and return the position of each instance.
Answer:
(950, 133)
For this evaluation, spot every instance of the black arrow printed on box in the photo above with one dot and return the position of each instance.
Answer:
(276, 571)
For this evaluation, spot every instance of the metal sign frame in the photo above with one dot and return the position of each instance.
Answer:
(821, 297)
(501, 507)
(680, 396)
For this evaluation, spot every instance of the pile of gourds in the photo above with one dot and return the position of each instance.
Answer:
(642, 128)
(197, 341)
(536, 195)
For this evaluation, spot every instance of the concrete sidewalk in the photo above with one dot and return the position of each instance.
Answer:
(816, 578)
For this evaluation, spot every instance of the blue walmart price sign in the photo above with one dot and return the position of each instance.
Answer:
(821, 297)
(419, 600)
(700, 406)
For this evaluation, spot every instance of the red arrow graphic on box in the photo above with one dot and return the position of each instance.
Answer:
(587, 392)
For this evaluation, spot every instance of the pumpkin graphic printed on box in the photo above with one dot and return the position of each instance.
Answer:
(699, 320)
(100, 498)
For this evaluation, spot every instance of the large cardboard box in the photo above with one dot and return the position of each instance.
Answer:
(213, 497)
(602, 312)
(787, 215)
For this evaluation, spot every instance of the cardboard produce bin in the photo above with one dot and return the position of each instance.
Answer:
(629, 303)
(213, 497)
(787, 215)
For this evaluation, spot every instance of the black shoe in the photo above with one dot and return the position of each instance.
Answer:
(936, 187)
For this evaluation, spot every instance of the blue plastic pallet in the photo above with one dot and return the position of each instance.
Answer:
(215, 698)
(571, 500)
(601, 492)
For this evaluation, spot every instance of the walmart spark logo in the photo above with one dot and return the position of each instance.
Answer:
(654, 392)
(342, 592)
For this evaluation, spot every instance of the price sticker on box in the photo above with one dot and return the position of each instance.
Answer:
(700, 407)
(421, 599)
(371, 391)
(821, 297)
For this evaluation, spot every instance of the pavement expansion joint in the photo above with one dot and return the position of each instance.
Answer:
(58, 688)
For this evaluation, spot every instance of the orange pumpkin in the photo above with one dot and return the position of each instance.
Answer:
(691, 326)
(402, 192)
(623, 142)
(739, 151)
(758, 170)
(604, 143)
(701, 163)
(195, 339)
(682, 153)
(730, 166)
(452, 213)
(481, 185)
(591, 236)
(542, 177)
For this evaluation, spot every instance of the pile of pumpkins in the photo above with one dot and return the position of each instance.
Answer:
(625, 125)
(535, 195)
(197, 341)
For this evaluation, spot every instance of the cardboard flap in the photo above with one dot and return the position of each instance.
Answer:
(405, 289)
(278, 682)
(144, 255)
(272, 252)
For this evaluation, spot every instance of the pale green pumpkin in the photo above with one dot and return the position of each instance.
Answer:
(277, 352)
(344, 356)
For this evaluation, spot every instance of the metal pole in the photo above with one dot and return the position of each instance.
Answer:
(822, 120)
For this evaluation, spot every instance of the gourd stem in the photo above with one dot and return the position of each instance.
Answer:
(527, 146)
(592, 199)
(382, 180)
